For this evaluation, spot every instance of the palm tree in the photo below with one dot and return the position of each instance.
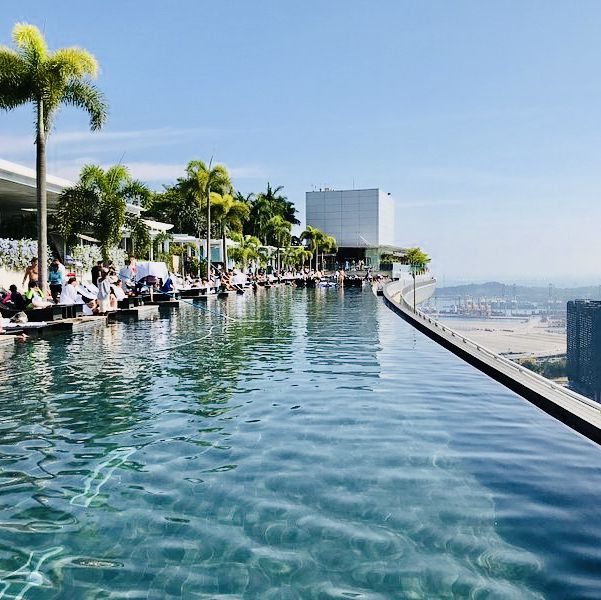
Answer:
(202, 179)
(303, 255)
(32, 73)
(328, 246)
(230, 214)
(260, 214)
(315, 237)
(248, 249)
(279, 228)
(97, 205)
(266, 205)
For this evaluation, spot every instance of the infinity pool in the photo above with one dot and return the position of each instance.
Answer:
(289, 444)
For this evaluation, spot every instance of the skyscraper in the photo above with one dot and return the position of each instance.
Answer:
(584, 346)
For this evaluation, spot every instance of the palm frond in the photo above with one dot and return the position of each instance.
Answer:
(31, 43)
(73, 62)
(15, 79)
(85, 95)
(137, 191)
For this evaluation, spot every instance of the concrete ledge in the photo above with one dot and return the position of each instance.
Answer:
(576, 411)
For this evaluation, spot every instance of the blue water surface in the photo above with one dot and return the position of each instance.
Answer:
(288, 444)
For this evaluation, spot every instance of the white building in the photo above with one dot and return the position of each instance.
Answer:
(362, 221)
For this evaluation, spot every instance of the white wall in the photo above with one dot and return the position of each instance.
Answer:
(351, 216)
(7, 278)
(386, 220)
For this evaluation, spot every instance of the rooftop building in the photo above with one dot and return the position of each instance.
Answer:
(362, 221)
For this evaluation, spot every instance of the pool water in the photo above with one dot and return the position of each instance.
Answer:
(288, 444)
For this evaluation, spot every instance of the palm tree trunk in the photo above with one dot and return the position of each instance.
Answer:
(224, 247)
(41, 199)
(209, 230)
(316, 258)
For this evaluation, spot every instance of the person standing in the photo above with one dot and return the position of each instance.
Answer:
(96, 270)
(104, 292)
(31, 272)
(55, 279)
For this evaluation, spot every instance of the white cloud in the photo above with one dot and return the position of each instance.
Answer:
(13, 147)
(152, 172)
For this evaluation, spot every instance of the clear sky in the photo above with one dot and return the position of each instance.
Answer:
(483, 119)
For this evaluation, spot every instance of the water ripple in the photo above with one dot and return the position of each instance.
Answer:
(304, 444)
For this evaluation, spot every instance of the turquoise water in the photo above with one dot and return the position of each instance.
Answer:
(309, 445)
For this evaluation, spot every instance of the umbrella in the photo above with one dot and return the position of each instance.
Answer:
(153, 269)
(88, 290)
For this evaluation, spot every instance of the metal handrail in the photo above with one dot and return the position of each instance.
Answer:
(408, 308)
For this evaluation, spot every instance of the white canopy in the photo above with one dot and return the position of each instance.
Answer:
(158, 269)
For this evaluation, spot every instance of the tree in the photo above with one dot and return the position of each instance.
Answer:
(315, 237)
(417, 260)
(279, 229)
(200, 180)
(33, 74)
(303, 255)
(178, 205)
(295, 256)
(328, 245)
(230, 214)
(266, 205)
(97, 205)
(248, 250)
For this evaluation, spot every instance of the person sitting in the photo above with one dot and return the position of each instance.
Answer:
(150, 281)
(90, 308)
(35, 297)
(14, 299)
(167, 287)
(126, 274)
(69, 295)
(118, 291)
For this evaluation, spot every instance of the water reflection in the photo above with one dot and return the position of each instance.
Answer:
(288, 444)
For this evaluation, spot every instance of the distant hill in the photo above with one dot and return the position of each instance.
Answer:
(533, 293)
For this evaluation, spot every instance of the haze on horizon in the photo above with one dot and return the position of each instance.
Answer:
(483, 121)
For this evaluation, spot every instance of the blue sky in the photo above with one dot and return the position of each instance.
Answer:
(482, 119)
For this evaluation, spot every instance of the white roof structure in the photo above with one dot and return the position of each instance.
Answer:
(157, 226)
(18, 187)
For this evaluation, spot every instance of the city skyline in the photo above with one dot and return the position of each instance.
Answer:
(482, 122)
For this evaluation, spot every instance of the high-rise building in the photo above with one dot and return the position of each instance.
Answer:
(584, 346)
(362, 221)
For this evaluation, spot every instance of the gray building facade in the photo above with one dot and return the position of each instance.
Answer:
(584, 346)
(362, 221)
